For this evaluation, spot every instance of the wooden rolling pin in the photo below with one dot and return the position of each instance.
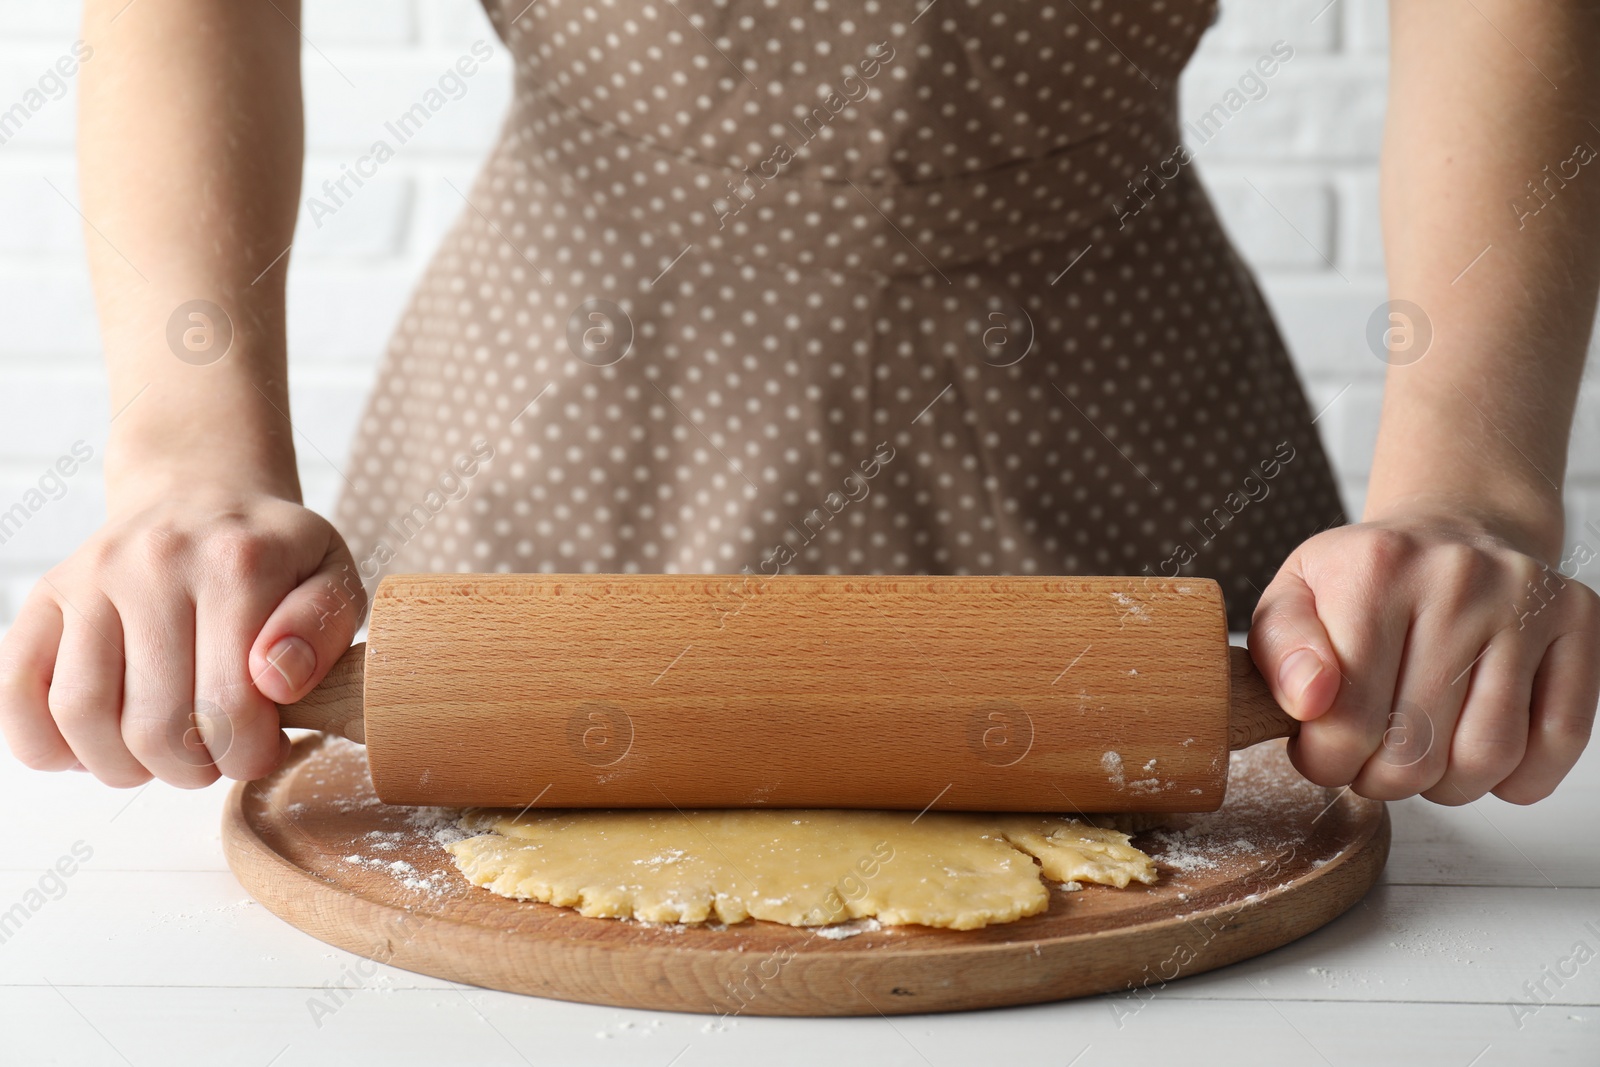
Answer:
(953, 692)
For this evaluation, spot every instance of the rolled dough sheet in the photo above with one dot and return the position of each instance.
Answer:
(799, 867)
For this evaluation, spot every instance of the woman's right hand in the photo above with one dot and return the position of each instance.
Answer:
(151, 650)
(161, 646)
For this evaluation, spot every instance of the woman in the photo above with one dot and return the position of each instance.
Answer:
(830, 288)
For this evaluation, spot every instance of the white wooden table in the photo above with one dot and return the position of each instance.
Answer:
(151, 954)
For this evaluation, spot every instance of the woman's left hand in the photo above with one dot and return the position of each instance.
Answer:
(1429, 655)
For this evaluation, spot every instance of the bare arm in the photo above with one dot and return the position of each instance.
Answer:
(190, 151)
(1481, 422)
(1431, 649)
(160, 645)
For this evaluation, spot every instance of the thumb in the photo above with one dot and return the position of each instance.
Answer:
(1292, 649)
(309, 629)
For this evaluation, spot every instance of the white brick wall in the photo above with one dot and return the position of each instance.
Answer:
(1294, 173)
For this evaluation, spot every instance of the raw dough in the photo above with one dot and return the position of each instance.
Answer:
(800, 867)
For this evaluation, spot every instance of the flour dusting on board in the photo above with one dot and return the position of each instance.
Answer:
(840, 931)
(408, 826)
(1248, 832)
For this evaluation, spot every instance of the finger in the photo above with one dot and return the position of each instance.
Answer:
(237, 723)
(1491, 734)
(86, 692)
(159, 720)
(1561, 715)
(311, 628)
(27, 660)
(1367, 622)
(1436, 665)
(1292, 649)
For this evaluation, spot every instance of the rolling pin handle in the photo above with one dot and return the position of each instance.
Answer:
(1253, 714)
(335, 705)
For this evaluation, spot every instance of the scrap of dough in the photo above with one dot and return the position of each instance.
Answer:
(799, 867)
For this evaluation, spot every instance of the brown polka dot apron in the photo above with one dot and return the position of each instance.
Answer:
(761, 287)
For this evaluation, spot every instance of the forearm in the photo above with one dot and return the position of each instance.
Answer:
(190, 151)
(1480, 424)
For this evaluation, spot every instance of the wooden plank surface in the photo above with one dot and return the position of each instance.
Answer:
(110, 1027)
(1407, 944)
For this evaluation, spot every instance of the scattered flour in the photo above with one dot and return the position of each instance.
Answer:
(840, 931)
(1131, 608)
(1182, 853)
(1111, 763)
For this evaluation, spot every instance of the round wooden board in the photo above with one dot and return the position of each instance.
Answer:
(315, 845)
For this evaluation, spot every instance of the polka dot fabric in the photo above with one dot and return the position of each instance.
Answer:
(839, 287)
